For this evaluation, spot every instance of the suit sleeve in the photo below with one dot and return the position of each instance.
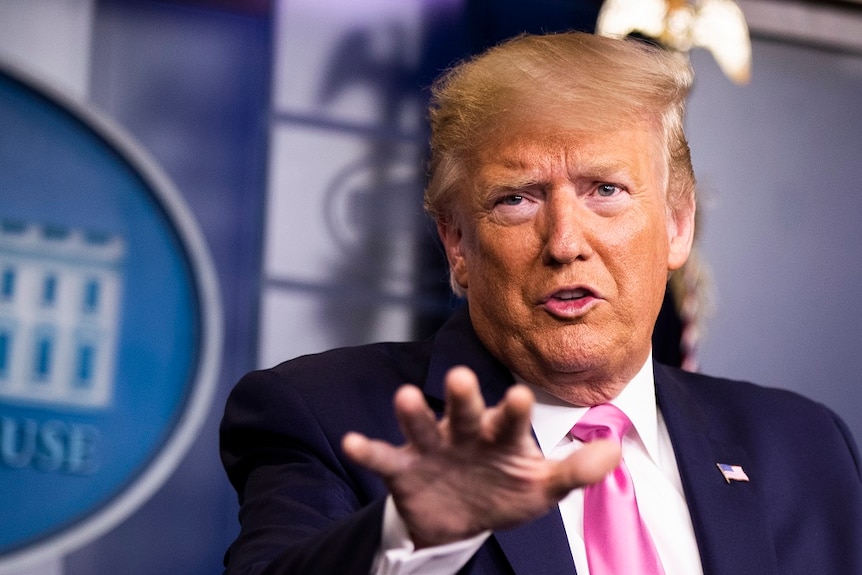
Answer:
(302, 509)
(851, 445)
(837, 532)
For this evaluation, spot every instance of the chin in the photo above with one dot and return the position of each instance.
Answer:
(582, 356)
(571, 360)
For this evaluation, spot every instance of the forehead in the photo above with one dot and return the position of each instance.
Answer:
(534, 155)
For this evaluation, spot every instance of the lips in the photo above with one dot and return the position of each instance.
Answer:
(570, 302)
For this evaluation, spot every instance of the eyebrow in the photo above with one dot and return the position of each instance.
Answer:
(512, 184)
(512, 174)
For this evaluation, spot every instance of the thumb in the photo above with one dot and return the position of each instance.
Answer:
(589, 464)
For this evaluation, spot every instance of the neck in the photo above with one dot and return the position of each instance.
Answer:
(583, 389)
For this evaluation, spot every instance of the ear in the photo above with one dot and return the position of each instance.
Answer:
(453, 242)
(680, 231)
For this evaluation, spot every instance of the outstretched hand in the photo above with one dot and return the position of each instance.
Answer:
(476, 469)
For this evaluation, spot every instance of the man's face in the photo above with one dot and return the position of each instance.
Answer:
(563, 245)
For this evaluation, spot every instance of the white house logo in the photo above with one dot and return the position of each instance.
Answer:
(60, 293)
(110, 327)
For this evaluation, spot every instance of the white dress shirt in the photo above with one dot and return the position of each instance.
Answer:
(650, 459)
(649, 456)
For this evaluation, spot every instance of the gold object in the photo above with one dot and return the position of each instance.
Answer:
(717, 25)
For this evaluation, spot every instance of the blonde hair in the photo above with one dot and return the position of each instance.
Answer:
(575, 80)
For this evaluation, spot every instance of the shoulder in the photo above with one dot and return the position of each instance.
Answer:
(750, 413)
(310, 402)
(736, 395)
(346, 386)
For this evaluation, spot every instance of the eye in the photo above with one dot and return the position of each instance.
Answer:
(607, 190)
(514, 208)
(511, 200)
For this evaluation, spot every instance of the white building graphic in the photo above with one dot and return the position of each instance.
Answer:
(60, 295)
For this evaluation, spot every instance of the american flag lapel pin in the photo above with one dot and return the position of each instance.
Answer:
(732, 472)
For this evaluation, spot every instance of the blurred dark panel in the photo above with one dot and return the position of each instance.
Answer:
(491, 21)
(260, 8)
(190, 81)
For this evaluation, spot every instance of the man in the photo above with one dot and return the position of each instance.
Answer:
(563, 192)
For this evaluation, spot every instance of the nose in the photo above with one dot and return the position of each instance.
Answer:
(565, 230)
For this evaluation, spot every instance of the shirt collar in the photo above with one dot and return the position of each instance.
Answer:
(553, 418)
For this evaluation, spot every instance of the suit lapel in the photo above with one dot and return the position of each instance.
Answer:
(728, 517)
(540, 546)
(457, 344)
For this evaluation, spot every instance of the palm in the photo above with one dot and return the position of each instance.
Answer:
(476, 469)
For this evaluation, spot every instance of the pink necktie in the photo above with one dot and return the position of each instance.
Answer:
(616, 538)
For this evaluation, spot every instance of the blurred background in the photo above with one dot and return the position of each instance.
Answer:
(293, 133)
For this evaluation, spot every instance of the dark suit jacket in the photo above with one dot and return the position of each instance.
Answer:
(305, 508)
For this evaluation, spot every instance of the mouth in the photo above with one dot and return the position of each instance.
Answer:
(570, 302)
(571, 294)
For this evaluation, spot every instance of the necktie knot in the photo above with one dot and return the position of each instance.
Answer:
(603, 421)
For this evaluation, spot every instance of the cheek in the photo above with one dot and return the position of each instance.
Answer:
(641, 262)
(503, 271)
(502, 251)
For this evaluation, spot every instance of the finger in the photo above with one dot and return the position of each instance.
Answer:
(378, 456)
(464, 404)
(509, 422)
(588, 465)
(416, 419)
